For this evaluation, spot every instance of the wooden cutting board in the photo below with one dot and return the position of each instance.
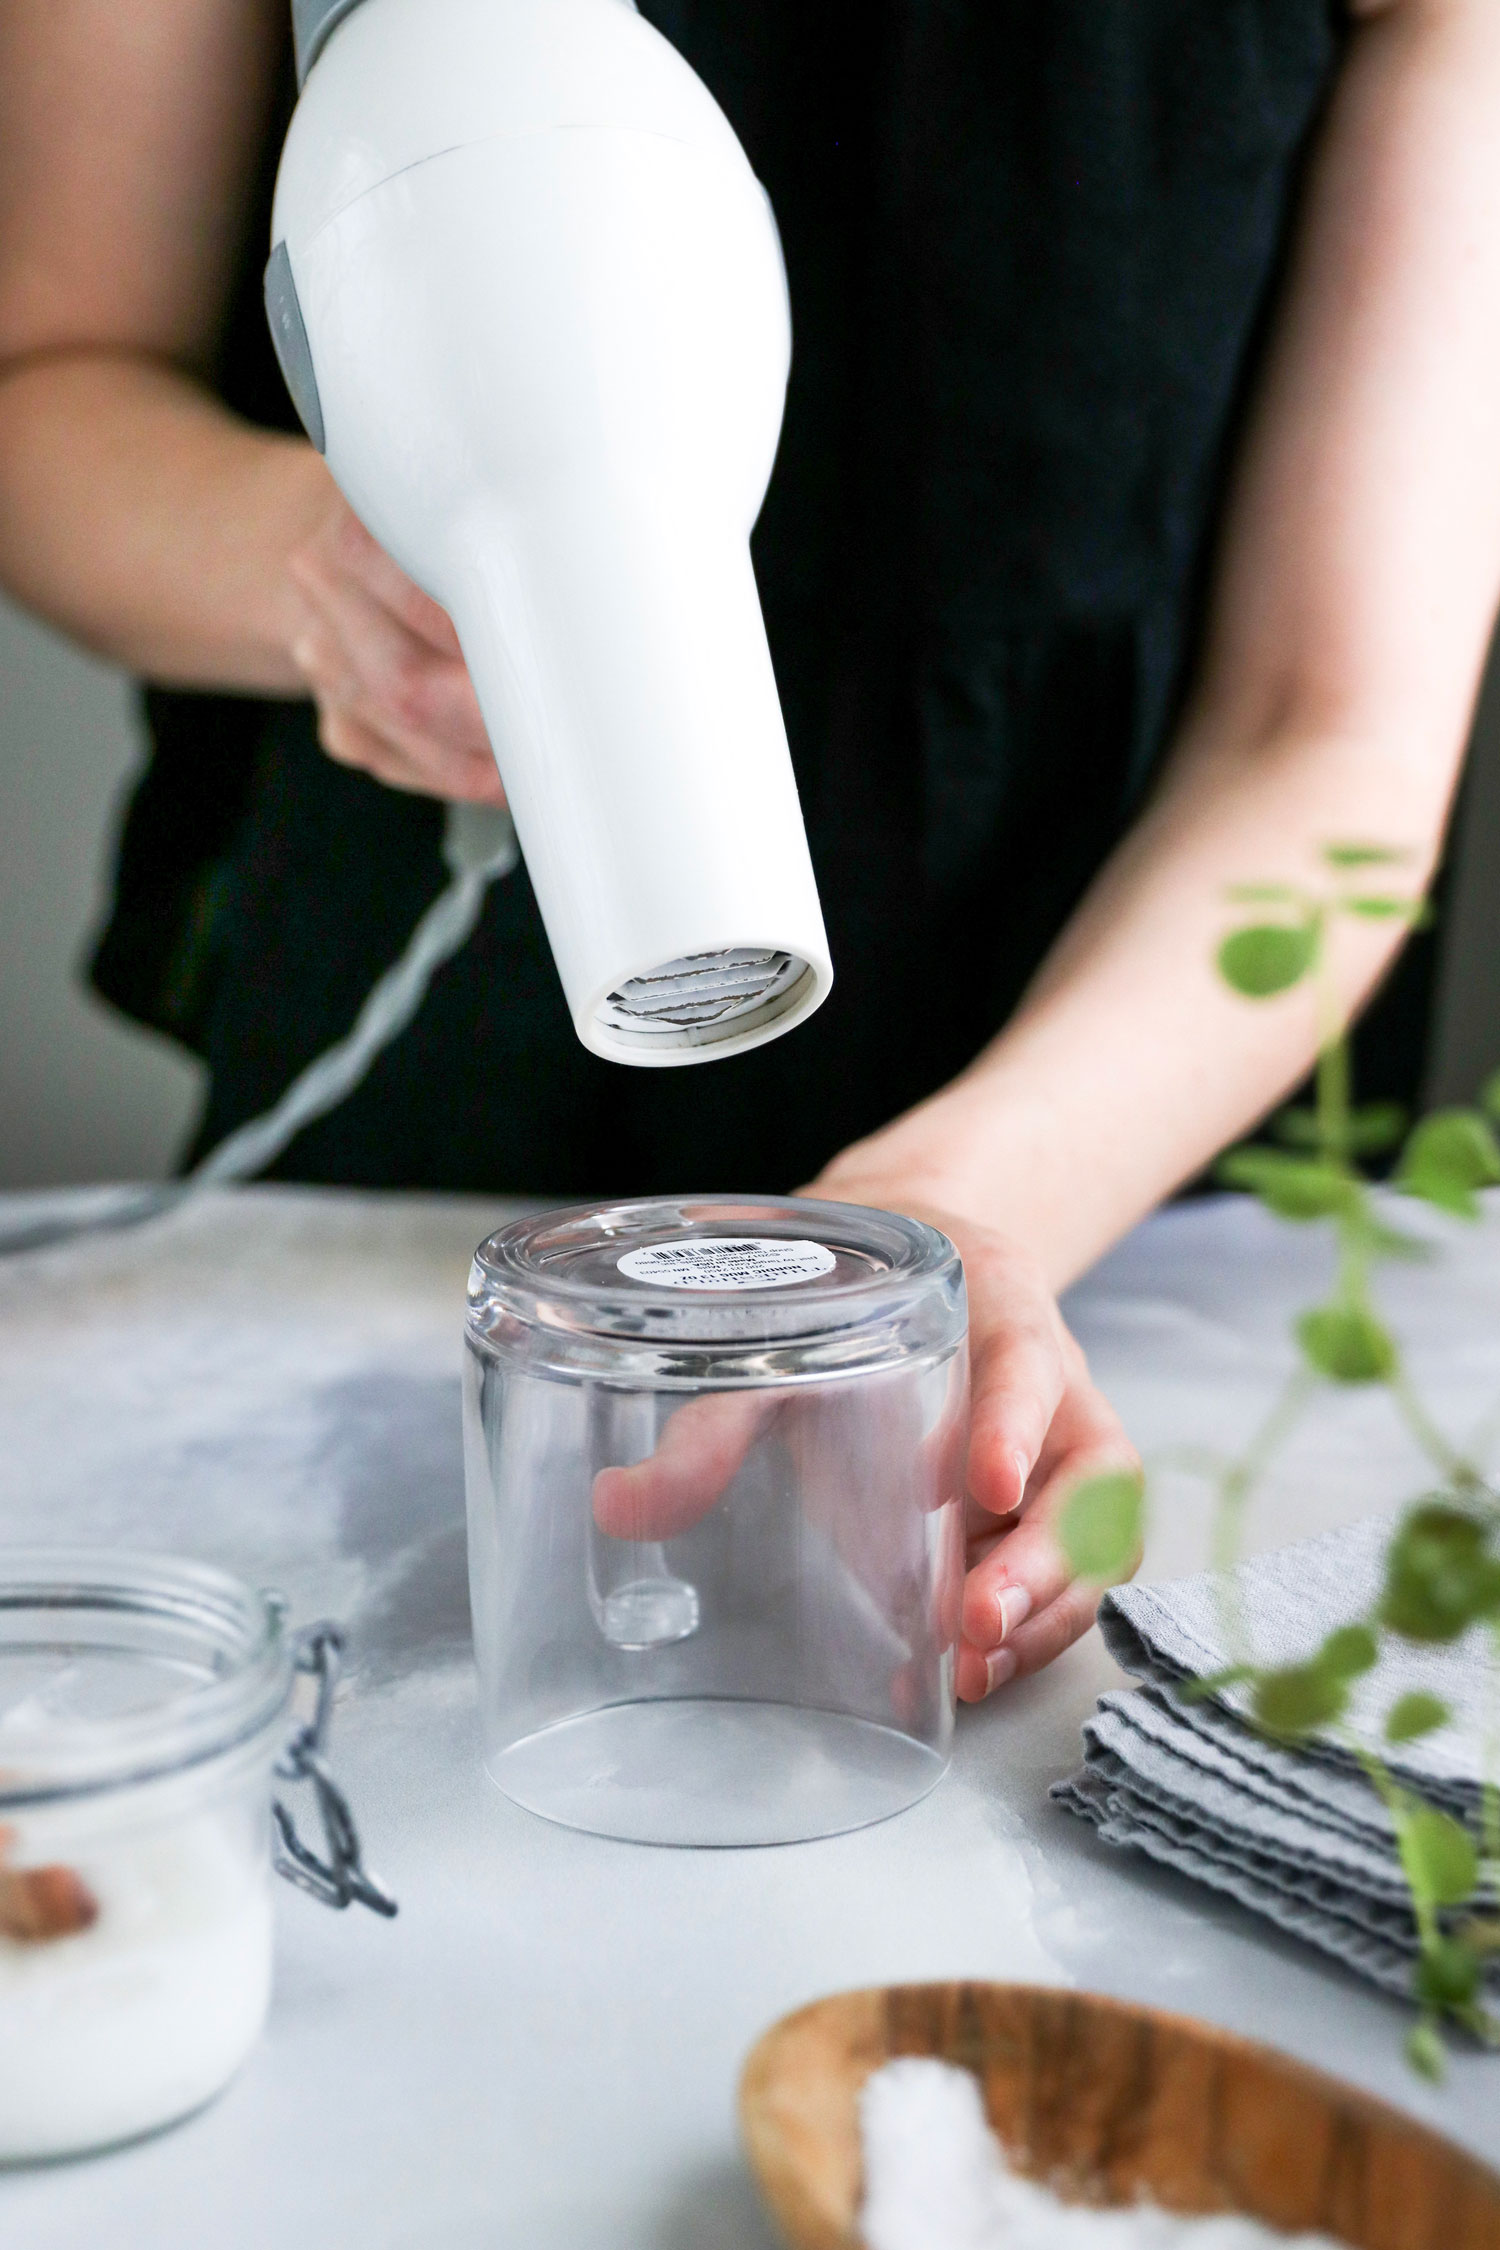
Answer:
(1108, 2103)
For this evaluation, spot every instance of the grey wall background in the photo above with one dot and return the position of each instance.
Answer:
(84, 1096)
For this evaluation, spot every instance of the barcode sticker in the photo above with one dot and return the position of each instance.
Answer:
(728, 1261)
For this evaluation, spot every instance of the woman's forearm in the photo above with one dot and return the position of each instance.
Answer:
(1355, 592)
(135, 512)
(143, 519)
(1131, 1063)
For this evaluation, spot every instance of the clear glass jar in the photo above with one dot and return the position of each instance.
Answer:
(142, 1703)
(714, 1458)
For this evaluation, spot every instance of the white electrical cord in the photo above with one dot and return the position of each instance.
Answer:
(479, 846)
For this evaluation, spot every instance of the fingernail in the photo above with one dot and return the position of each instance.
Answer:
(1023, 1471)
(999, 1666)
(1014, 1605)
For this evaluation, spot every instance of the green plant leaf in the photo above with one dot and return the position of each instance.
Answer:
(1294, 1187)
(1265, 894)
(1438, 1853)
(1268, 957)
(1414, 1715)
(1489, 1096)
(1376, 909)
(1389, 1242)
(1457, 1143)
(1424, 2050)
(1448, 1156)
(1347, 1344)
(1100, 1527)
(1458, 1202)
(1297, 1128)
(1298, 1698)
(1440, 1576)
(1446, 1973)
(1349, 1651)
(1375, 1127)
(1414, 911)
(1363, 855)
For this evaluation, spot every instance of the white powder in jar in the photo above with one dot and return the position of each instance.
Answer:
(936, 2179)
(143, 2016)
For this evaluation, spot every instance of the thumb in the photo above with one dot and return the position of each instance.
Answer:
(699, 1453)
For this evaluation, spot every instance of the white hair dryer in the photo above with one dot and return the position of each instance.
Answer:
(529, 299)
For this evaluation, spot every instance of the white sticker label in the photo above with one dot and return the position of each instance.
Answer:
(728, 1261)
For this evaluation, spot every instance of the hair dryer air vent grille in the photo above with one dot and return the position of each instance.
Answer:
(704, 990)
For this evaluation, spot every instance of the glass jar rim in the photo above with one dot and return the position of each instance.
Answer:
(520, 1269)
(242, 1633)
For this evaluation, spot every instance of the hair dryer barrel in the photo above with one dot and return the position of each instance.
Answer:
(619, 655)
(550, 365)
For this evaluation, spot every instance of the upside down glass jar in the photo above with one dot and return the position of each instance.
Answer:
(715, 1456)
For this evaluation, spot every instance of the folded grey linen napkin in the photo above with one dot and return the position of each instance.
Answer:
(1295, 1832)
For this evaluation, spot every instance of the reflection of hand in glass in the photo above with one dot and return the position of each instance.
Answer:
(638, 1600)
(698, 1455)
(872, 1460)
(1036, 1426)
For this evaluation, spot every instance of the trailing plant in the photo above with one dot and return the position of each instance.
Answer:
(1441, 1575)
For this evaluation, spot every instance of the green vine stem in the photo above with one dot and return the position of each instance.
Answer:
(1454, 1467)
(1442, 1566)
(1236, 1483)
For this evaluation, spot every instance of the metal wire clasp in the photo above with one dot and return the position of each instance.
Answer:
(341, 1879)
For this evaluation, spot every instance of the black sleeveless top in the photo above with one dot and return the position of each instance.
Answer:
(1031, 252)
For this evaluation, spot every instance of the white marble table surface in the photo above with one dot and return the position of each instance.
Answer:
(541, 2053)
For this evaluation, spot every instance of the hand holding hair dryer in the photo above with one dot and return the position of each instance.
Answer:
(529, 298)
